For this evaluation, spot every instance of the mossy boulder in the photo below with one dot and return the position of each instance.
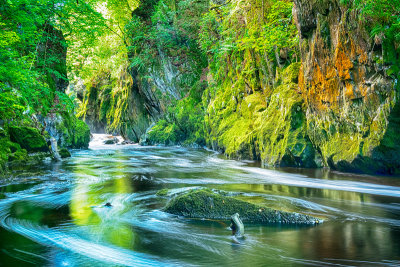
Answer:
(28, 138)
(64, 153)
(206, 204)
(162, 133)
(19, 155)
(10, 152)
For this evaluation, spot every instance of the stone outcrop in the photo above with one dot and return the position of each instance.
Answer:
(351, 97)
(28, 138)
(205, 204)
(330, 100)
(339, 109)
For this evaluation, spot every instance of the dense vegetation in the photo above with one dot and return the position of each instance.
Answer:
(219, 73)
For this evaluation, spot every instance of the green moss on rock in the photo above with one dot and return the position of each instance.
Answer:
(10, 152)
(28, 138)
(163, 133)
(162, 192)
(270, 126)
(20, 155)
(81, 135)
(206, 204)
(64, 153)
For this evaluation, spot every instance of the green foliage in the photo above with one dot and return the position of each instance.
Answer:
(28, 138)
(383, 20)
(183, 123)
(278, 32)
(12, 106)
(31, 49)
(81, 135)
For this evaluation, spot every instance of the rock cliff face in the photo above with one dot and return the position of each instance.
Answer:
(152, 93)
(299, 84)
(351, 100)
(254, 108)
(341, 110)
(130, 104)
(161, 70)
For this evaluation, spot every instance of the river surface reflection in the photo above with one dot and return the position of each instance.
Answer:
(54, 215)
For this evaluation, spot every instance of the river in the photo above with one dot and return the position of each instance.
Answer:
(53, 214)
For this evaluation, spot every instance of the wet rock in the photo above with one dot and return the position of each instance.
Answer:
(54, 149)
(237, 226)
(352, 108)
(127, 142)
(112, 141)
(81, 135)
(108, 205)
(64, 153)
(206, 204)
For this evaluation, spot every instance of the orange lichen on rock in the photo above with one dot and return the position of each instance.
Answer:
(301, 80)
(349, 93)
(331, 72)
(324, 90)
(343, 63)
(362, 56)
(364, 90)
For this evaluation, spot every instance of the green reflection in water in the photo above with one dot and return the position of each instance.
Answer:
(87, 206)
(353, 201)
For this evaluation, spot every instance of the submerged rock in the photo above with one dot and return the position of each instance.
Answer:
(209, 205)
(162, 192)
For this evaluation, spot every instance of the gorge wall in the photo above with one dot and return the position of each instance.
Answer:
(348, 81)
(299, 84)
(34, 109)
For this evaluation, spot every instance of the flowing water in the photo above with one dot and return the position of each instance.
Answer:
(54, 214)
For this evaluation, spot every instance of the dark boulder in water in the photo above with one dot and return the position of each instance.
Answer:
(64, 153)
(111, 141)
(206, 204)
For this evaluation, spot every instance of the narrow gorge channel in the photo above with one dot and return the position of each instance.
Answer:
(54, 213)
(199, 133)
